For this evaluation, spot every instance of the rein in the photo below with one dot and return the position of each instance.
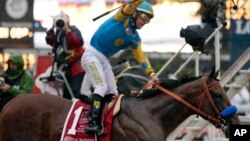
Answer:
(217, 121)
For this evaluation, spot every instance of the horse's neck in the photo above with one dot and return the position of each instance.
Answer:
(172, 112)
(169, 112)
(164, 111)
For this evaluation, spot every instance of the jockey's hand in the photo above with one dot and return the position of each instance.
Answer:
(154, 78)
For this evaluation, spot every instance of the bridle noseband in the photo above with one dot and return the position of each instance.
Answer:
(218, 121)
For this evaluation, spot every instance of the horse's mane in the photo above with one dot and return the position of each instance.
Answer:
(168, 84)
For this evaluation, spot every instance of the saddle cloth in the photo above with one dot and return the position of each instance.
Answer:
(77, 120)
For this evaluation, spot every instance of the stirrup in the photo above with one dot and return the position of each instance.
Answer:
(98, 132)
(101, 133)
(94, 131)
(84, 98)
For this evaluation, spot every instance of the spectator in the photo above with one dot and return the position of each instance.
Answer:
(15, 81)
(67, 43)
(117, 33)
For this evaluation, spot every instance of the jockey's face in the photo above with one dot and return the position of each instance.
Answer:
(141, 20)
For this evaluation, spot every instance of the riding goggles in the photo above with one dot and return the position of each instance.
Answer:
(146, 18)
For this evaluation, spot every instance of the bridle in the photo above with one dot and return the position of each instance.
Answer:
(216, 120)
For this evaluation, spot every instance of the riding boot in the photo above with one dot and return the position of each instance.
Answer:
(95, 114)
(108, 97)
(85, 98)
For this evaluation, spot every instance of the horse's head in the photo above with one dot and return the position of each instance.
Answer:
(201, 95)
(216, 105)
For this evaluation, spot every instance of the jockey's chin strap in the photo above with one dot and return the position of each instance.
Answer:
(218, 122)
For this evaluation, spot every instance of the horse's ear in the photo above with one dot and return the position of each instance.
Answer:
(214, 74)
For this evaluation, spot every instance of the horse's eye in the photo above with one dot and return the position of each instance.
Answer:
(216, 97)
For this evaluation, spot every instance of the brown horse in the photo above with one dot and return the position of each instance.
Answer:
(152, 118)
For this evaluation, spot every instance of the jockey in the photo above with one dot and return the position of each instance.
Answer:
(117, 33)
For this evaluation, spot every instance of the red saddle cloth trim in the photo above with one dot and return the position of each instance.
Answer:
(77, 120)
(108, 114)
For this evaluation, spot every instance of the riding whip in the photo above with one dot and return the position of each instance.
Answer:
(106, 13)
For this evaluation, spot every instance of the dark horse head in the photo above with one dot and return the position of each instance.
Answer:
(151, 117)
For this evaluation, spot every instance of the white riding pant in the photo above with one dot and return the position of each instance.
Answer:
(98, 72)
(86, 87)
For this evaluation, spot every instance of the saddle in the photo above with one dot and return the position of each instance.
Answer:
(77, 120)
